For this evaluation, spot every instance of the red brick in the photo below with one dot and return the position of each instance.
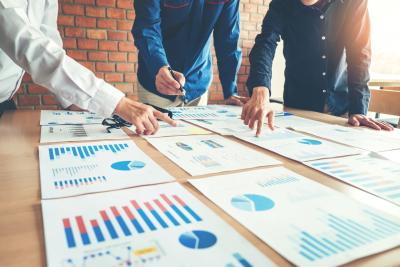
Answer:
(86, 2)
(107, 24)
(28, 100)
(124, 25)
(117, 56)
(73, 9)
(116, 13)
(130, 77)
(126, 46)
(108, 45)
(97, 56)
(87, 44)
(109, 3)
(96, 34)
(117, 35)
(27, 78)
(106, 67)
(36, 89)
(127, 88)
(133, 57)
(85, 22)
(65, 20)
(69, 43)
(49, 100)
(99, 12)
(74, 32)
(77, 55)
(113, 77)
(130, 14)
(125, 67)
(125, 4)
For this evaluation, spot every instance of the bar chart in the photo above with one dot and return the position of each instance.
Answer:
(64, 117)
(160, 225)
(131, 219)
(381, 180)
(345, 235)
(79, 168)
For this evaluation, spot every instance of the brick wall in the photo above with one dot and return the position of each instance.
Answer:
(97, 34)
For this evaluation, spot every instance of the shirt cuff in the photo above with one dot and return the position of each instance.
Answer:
(105, 100)
(157, 63)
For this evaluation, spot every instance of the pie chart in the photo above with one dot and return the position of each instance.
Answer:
(128, 165)
(312, 142)
(197, 239)
(252, 202)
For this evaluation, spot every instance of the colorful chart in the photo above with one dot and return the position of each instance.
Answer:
(159, 225)
(72, 169)
(63, 117)
(252, 202)
(198, 239)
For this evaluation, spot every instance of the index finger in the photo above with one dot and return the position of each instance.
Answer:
(164, 117)
(260, 123)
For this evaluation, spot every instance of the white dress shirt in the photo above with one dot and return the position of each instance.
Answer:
(30, 41)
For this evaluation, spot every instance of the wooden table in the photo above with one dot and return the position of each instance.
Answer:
(21, 230)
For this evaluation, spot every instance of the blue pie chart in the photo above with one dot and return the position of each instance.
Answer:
(128, 165)
(312, 142)
(252, 202)
(197, 239)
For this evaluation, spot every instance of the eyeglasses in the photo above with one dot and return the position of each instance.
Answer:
(115, 122)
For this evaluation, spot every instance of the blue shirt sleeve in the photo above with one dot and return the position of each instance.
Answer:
(229, 55)
(358, 55)
(147, 34)
(263, 51)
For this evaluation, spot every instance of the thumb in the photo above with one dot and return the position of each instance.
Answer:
(354, 121)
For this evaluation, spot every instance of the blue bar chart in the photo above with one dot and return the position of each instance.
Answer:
(345, 235)
(129, 220)
(382, 180)
(84, 151)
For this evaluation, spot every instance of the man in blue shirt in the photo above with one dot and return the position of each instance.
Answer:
(328, 54)
(176, 34)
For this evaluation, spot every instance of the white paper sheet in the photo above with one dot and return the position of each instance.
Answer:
(307, 223)
(159, 225)
(224, 127)
(359, 138)
(204, 154)
(61, 117)
(82, 132)
(293, 122)
(393, 155)
(297, 146)
(206, 112)
(368, 172)
(73, 169)
(182, 128)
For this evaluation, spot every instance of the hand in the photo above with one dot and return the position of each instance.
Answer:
(236, 100)
(142, 116)
(166, 84)
(362, 120)
(257, 108)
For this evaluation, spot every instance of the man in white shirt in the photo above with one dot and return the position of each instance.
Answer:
(30, 41)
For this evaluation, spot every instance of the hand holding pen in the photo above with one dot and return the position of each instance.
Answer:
(170, 82)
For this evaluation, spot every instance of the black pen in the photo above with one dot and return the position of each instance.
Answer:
(180, 85)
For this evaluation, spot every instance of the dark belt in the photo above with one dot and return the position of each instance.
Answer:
(7, 105)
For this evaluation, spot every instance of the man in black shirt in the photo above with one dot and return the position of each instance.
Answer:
(328, 54)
